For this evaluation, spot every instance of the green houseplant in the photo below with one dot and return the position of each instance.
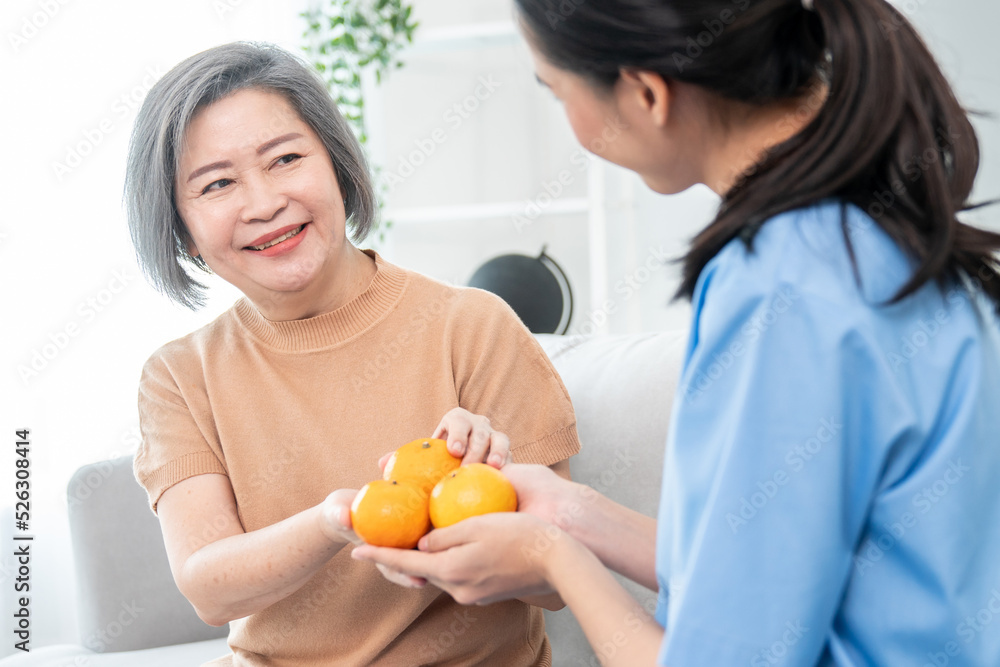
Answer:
(343, 38)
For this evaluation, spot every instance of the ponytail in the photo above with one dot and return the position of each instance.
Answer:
(890, 137)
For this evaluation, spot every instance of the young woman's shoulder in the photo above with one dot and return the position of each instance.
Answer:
(830, 250)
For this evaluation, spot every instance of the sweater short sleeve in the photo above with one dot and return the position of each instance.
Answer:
(174, 447)
(503, 373)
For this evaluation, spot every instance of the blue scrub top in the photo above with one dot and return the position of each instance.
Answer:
(831, 490)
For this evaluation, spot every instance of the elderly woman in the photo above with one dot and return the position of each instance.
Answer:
(241, 164)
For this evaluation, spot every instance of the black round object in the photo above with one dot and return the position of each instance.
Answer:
(536, 288)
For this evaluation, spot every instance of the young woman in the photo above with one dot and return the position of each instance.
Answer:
(258, 428)
(830, 490)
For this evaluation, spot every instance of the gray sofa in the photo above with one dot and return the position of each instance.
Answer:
(131, 613)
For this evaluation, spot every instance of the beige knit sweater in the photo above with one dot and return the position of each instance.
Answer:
(291, 411)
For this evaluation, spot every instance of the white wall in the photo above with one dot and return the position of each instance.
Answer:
(74, 85)
(63, 241)
(517, 142)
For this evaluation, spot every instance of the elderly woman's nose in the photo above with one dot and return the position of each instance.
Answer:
(262, 200)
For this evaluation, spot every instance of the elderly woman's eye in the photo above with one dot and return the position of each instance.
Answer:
(286, 159)
(216, 185)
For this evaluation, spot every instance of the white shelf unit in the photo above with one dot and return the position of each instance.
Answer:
(593, 205)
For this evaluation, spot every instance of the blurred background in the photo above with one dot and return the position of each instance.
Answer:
(484, 165)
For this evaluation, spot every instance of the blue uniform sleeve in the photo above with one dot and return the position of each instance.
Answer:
(785, 416)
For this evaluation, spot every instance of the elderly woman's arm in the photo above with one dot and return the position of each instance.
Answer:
(227, 573)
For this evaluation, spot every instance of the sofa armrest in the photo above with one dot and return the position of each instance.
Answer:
(127, 598)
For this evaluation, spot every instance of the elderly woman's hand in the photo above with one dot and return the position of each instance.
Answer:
(336, 517)
(470, 437)
(336, 525)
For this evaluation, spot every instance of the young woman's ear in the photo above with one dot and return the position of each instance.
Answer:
(649, 92)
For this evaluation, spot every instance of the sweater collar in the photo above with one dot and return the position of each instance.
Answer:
(338, 326)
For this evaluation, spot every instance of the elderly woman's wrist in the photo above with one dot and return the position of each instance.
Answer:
(328, 522)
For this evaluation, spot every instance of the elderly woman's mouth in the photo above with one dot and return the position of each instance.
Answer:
(273, 242)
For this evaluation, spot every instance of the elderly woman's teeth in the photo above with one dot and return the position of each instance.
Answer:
(283, 237)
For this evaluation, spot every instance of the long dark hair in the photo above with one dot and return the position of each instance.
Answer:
(890, 136)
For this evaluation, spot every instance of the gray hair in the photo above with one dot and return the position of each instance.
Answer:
(160, 238)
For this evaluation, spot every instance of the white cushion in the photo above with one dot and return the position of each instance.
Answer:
(622, 389)
(178, 655)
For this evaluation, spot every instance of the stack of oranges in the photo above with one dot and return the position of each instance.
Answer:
(423, 484)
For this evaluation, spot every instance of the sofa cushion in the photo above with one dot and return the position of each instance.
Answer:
(622, 389)
(127, 597)
(180, 655)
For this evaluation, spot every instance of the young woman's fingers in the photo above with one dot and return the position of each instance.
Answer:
(397, 577)
(404, 561)
(455, 535)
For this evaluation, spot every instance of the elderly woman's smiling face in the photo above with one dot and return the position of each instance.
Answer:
(259, 196)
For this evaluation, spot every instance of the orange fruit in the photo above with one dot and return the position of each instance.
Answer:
(421, 462)
(390, 514)
(470, 491)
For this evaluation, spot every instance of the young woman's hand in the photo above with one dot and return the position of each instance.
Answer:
(480, 560)
(543, 493)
